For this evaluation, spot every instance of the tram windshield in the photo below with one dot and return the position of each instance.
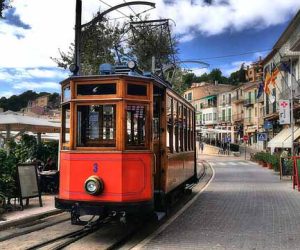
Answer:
(96, 125)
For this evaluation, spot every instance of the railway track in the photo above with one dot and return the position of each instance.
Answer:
(108, 233)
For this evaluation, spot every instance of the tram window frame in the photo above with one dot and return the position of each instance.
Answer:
(188, 130)
(63, 96)
(142, 146)
(185, 129)
(180, 127)
(170, 124)
(175, 124)
(97, 96)
(99, 142)
(193, 130)
(111, 87)
(65, 142)
(138, 97)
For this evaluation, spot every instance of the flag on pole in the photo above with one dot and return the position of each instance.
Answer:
(267, 82)
(260, 89)
(274, 76)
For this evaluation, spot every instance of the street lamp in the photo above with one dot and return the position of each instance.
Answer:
(78, 26)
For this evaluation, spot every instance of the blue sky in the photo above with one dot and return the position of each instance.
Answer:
(34, 31)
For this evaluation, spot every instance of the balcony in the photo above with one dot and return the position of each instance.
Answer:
(248, 121)
(260, 99)
(238, 117)
(236, 99)
(224, 119)
(248, 102)
(208, 105)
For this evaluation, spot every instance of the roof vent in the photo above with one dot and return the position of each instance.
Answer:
(106, 69)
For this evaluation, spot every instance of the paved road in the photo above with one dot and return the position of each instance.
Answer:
(244, 207)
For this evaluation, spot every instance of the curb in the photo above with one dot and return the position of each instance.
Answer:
(7, 224)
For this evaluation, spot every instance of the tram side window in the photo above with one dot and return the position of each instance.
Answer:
(185, 129)
(136, 125)
(169, 110)
(180, 127)
(175, 121)
(66, 93)
(192, 129)
(66, 123)
(96, 125)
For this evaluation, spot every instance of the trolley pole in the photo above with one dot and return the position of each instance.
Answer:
(78, 34)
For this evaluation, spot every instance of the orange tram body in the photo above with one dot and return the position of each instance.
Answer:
(127, 143)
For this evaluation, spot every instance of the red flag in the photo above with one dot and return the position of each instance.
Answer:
(267, 82)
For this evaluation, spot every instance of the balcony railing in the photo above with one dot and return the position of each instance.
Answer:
(238, 117)
(224, 119)
(249, 121)
(248, 102)
(236, 99)
(206, 106)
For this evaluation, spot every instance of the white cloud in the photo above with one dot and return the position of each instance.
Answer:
(37, 86)
(234, 66)
(46, 73)
(6, 94)
(200, 71)
(235, 15)
(52, 23)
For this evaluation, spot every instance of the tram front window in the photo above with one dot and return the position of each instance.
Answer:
(136, 120)
(96, 125)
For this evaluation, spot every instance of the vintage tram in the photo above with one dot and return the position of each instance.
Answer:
(127, 143)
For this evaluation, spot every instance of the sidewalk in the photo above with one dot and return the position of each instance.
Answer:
(245, 206)
(31, 212)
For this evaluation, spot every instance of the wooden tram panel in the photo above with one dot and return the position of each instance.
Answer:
(128, 172)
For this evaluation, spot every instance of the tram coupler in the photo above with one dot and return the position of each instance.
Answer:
(75, 215)
(122, 217)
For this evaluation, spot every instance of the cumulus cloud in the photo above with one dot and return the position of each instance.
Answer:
(6, 94)
(215, 17)
(37, 86)
(51, 23)
(200, 71)
(234, 66)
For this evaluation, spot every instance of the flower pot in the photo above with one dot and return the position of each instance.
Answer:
(269, 165)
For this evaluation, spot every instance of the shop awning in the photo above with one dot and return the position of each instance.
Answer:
(284, 138)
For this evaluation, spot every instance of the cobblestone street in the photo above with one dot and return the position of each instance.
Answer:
(245, 207)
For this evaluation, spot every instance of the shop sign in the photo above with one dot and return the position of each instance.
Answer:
(284, 112)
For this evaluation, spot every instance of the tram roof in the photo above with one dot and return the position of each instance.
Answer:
(152, 78)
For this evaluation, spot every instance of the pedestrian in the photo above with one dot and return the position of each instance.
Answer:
(50, 165)
(201, 147)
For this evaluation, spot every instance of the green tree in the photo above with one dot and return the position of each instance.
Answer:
(4, 4)
(97, 45)
(145, 42)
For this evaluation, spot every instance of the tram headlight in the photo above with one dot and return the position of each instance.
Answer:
(93, 185)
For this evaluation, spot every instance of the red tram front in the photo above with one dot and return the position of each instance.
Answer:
(126, 142)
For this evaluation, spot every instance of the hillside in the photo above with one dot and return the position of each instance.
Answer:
(17, 102)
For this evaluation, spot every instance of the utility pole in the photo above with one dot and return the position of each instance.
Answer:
(292, 106)
(94, 21)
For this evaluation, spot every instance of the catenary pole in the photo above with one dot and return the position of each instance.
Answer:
(292, 107)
